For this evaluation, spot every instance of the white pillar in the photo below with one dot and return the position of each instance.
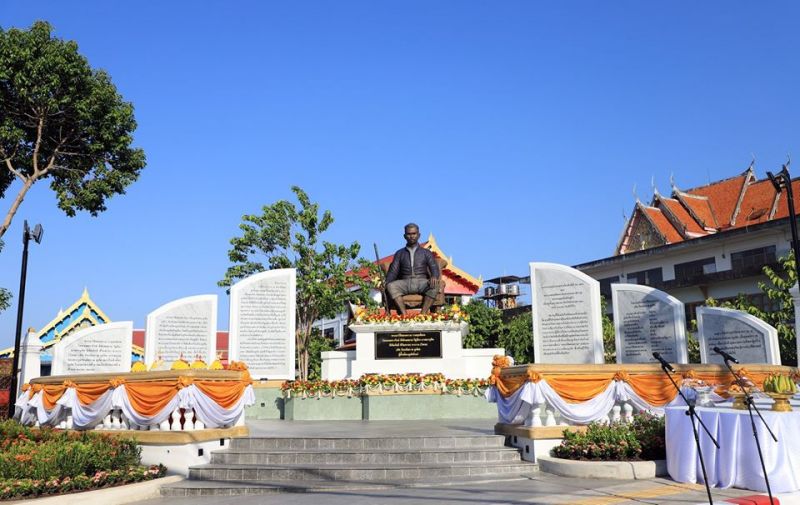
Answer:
(30, 364)
(795, 292)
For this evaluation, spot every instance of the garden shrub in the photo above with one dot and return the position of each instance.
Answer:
(47, 453)
(46, 461)
(641, 439)
(649, 430)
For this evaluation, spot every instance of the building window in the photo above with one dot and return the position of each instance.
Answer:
(646, 277)
(753, 259)
(687, 272)
(605, 286)
(329, 333)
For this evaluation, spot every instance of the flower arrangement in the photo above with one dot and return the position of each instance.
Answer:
(377, 383)
(364, 315)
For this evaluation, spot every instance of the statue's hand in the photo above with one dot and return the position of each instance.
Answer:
(433, 282)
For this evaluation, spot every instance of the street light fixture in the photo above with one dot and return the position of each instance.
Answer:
(783, 179)
(27, 235)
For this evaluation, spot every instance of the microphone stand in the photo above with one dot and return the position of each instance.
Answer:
(694, 417)
(751, 405)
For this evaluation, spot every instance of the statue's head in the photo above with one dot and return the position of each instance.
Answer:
(411, 234)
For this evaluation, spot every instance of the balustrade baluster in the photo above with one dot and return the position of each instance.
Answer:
(198, 424)
(615, 417)
(176, 420)
(188, 416)
(551, 419)
(627, 412)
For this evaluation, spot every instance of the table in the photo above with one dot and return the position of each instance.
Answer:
(735, 463)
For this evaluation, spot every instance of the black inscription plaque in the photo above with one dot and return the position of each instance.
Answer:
(403, 345)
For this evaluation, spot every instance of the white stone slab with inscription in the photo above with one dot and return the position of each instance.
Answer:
(105, 348)
(187, 326)
(262, 323)
(567, 325)
(744, 336)
(648, 320)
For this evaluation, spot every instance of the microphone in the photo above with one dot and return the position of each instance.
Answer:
(664, 363)
(725, 355)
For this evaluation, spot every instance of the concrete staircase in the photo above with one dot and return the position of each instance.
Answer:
(269, 465)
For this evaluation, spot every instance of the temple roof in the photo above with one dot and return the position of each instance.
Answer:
(717, 207)
(83, 313)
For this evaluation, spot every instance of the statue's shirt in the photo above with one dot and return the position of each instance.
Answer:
(411, 251)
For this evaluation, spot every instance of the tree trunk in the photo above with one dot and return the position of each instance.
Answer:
(14, 206)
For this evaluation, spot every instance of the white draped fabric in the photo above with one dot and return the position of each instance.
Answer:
(207, 410)
(210, 412)
(515, 408)
(736, 462)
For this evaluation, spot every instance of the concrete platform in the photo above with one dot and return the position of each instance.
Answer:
(371, 429)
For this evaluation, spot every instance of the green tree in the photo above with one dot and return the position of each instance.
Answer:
(609, 334)
(485, 325)
(287, 236)
(62, 121)
(317, 344)
(517, 339)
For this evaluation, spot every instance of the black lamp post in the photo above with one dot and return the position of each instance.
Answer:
(779, 181)
(27, 235)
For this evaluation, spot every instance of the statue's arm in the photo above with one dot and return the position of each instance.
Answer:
(434, 267)
(394, 269)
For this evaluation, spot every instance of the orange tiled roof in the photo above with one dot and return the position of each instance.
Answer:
(723, 197)
(662, 224)
(700, 207)
(757, 203)
(731, 203)
(682, 216)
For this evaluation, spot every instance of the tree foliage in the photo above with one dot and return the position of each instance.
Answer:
(317, 344)
(62, 121)
(287, 236)
(517, 339)
(609, 334)
(485, 325)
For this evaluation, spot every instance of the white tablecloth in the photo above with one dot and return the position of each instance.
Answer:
(735, 463)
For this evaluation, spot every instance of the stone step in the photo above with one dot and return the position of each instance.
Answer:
(228, 488)
(336, 443)
(355, 473)
(354, 456)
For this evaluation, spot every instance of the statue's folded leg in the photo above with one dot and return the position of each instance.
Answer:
(400, 304)
(426, 304)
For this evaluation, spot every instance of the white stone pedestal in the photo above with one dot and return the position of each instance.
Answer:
(30, 361)
(455, 361)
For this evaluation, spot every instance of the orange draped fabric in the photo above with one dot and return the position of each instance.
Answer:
(653, 388)
(656, 390)
(149, 398)
(224, 393)
(89, 393)
(51, 394)
(507, 386)
(580, 387)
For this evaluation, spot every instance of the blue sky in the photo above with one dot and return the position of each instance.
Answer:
(514, 131)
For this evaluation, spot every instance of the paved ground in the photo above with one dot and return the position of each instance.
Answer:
(541, 489)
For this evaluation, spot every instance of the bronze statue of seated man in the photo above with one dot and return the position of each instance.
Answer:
(414, 270)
